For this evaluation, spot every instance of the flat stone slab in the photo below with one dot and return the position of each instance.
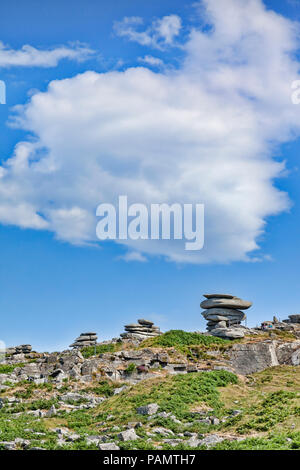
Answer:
(142, 321)
(234, 303)
(218, 296)
(215, 318)
(223, 313)
(294, 318)
(228, 333)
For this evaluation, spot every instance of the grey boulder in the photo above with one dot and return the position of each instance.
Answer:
(228, 333)
(234, 303)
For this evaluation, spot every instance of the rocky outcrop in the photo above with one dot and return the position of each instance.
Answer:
(248, 358)
(293, 319)
(22, 349)
(224, 315)
(142, 330)
(85, 339)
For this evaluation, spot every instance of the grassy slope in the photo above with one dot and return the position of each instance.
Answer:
(269, 403)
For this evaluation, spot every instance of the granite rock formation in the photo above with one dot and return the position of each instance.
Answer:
(85, 339)
(22, 349)
(224, 315)
(293, 319)
(142, 330)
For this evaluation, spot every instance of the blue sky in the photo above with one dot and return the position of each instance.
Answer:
(52, 289)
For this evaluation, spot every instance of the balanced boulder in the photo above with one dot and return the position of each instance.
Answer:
(85, 339)
(224, 315)
(142, 330)
(234, 302)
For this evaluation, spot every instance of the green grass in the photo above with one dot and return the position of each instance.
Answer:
(274, 409)
(100, 349)
(131, 368)
(175, 394)
(9, 368)
(104, 388)
(183, 338)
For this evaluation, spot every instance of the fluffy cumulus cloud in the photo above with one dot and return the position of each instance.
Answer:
(29, 56)
(204, 133)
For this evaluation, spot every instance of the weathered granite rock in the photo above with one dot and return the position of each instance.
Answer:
(128, 435)
(222, 312)
(218, 296)
(149, 410)
(253, 357)
(108, 446)
(140, 331)
(229, 313)
(235, 302)
(294, 318)
(289, 353)
(22, 349)
(85, 339)
(228, 333)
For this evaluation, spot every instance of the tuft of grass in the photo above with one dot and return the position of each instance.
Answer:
(105, 388)
(131, 368)
(184, 338)
(8, 368)
(90, 351)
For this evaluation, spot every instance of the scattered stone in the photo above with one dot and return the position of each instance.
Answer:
(149, 410)
(108, 446)
(92, 440)
(51, 412)
(128, 435)
(163, 431)
(211, 440)
(173, 442)
(120, 389)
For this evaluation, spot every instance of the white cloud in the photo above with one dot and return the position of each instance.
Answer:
(133, 256)
(150, 60)
(29, 56)
(162, 32)
(205, 133)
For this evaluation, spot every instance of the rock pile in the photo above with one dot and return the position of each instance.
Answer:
(224, 315)
(85, 339)
(22, 349)
(293, 319)
(142, 330)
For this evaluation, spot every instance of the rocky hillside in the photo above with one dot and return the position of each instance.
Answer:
(177, 390)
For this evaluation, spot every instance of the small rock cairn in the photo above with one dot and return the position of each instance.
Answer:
(224, 315)
(85, 339)
(22, 349)
(293, 319)
(142, 330)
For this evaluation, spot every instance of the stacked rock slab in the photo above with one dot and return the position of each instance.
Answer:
(85, 339)
(293, 319)
(224, 315)
(22, 349)
(142, 330)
